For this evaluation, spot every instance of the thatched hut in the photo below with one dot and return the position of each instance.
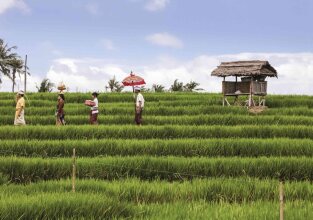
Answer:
(252, 74)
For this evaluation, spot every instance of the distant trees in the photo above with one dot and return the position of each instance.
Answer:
(45, 86)
(10, 63)
(6, 54)
(192, 86)
(158, 88)
(188, 87)
(16, 66)
(114, 85)
(177, 86)
(144, 89)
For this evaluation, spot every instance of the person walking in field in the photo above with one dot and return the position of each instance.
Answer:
(60, 116)
(94, 109)
(139, 105)
(19, 110)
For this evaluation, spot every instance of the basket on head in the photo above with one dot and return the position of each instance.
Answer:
(61, 86)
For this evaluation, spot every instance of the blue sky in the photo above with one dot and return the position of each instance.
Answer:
(153, 34)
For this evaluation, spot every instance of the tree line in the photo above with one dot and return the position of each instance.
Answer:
(192, 86)
(13, 66)
(115, 86)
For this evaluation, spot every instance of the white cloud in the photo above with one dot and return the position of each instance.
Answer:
(156, 5)
(31, 83)
(84, 74)
(107, 44)
(10, 4)
(295, 72)
(165, 40)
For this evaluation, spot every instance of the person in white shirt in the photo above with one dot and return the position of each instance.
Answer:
(139, 104)
(94, 110)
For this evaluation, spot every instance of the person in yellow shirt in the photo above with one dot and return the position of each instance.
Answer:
(19, 111)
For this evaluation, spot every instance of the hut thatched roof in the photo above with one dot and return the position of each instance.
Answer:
(245, 68)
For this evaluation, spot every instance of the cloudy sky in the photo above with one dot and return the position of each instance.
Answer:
(85, 43)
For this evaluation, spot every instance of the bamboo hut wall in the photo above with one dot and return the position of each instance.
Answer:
(258, 88)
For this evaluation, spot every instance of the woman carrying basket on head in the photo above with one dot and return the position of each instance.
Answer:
(60, 116)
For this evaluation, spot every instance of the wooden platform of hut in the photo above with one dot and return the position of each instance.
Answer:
(252, 74)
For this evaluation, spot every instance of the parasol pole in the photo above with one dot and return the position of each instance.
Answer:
(25, 66)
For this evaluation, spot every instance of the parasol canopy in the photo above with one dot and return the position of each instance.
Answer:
(133, 80)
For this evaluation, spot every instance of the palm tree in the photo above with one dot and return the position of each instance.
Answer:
(143, 89)
(16, 65)
(192, 86)
(114, 85)
(6, 56)
(158, 88)
(45, 86)
(177, 86)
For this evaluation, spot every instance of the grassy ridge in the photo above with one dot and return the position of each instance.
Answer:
(63, 206)
(80, 206)
(169, 168)
(192, 159)
(171, 120)
(210, 190)
(273, 101)
(148, 132)
(158, 109)
(114, 97)
(158, 147)
(202, 210)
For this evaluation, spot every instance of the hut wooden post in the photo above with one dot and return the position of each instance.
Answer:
(25, 74)
(74, 170)
(281, 200)
(236, 89)
(223, 90)
(250, 94)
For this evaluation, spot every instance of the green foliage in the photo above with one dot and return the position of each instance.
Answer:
(202, 211)
(45, 86)
(148, 132)
(239, 147)
(192, 86)
(25, 170)
(158, 88)
(113, 116)
(7, 56)
(63, 206)
(3, 179)
(177, 86)
(134, 190)
(114, 85)
(189, 87)
(192, 158)
(16, 65)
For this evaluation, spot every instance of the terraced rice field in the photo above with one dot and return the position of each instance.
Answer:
(192, 159)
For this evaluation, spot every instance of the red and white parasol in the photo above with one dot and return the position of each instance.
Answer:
(133, 80)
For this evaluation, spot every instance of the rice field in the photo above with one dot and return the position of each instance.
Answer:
(192, 159)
